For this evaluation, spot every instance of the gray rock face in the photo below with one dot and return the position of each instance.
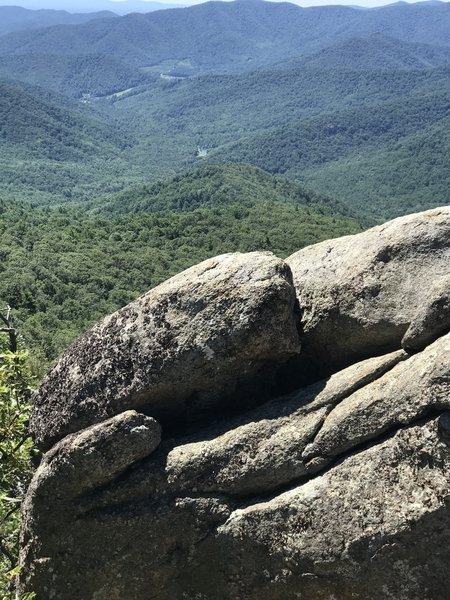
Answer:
(337, 491)
(267, 447)
(414, 389)
(246, 510)
(212, 336)
(432, 318)
(359, 294)
(374, 527)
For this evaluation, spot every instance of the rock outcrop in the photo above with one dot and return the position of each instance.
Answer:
(359, 294)
(209, 337)
(337, 490)
(432, 318)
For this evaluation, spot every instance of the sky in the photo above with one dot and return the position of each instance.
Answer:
(88, 5)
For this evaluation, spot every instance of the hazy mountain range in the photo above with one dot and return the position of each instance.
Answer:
(14, 18)
(89, 6)
(233, 36)
(136, 143)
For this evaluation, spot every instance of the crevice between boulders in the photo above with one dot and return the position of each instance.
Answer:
(423, 419)
(146, 505)
(310, 401)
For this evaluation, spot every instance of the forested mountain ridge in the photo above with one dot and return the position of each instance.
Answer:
(16, 18)
(89, 6)
(51, 150)
(49, 130)
(331, 151)
(232, 36)
(399, 178)
(316, 118)
(376, 51)
(64, 267)
(154, 130)
(217, 185)
(298, 121)
(75, 75)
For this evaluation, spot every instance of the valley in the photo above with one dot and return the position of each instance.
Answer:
(207, 130)
(204, 211)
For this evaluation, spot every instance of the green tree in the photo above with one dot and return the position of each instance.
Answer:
(16, 451)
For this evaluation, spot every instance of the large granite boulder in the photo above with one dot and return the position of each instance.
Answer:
(341, 490)
(212, 336)
(359, 294)
(338, 490)
(432, 318)
(375, 527)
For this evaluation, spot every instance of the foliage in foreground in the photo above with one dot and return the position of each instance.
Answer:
(16, 450)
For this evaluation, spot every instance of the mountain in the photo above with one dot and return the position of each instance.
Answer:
(74, 76)
(16, 18)
(120, 7)
(322, 116)
(232, 36)
(369, 157)
(214, 35)
(377, 51)
(53, 150)
(319, 122)
(298, 122)
(398, 178)
(64, 267)
(224, 108)
(42, 128)
(217, 185)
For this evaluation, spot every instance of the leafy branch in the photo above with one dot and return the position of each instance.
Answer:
(16, 450)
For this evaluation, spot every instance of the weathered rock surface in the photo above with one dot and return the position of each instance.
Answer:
(266, 446)
(237, 514)
(211, 336)
(337, 491)
(432, 318)
(374, 527)
(359, 294)
(94, 456)
(413, 389)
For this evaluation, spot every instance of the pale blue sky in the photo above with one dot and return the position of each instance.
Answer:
(300, 3)
(305, 3)
(69, 4)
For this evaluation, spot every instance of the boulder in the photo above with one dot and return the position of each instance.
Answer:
(263, 450)
(432, 318)
(359, 294)
(375, 527)
(414, 389)
(341, 490)
(337, 490)
(94, 456)
(210, 337)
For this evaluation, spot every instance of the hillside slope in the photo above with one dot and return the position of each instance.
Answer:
(222, 108)
(16, 18)
(387, 159)
(232, 36)
(93, 74)
(377, 51)
(63, 268)
(214, 186)
(403, 176)
(52, 150)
